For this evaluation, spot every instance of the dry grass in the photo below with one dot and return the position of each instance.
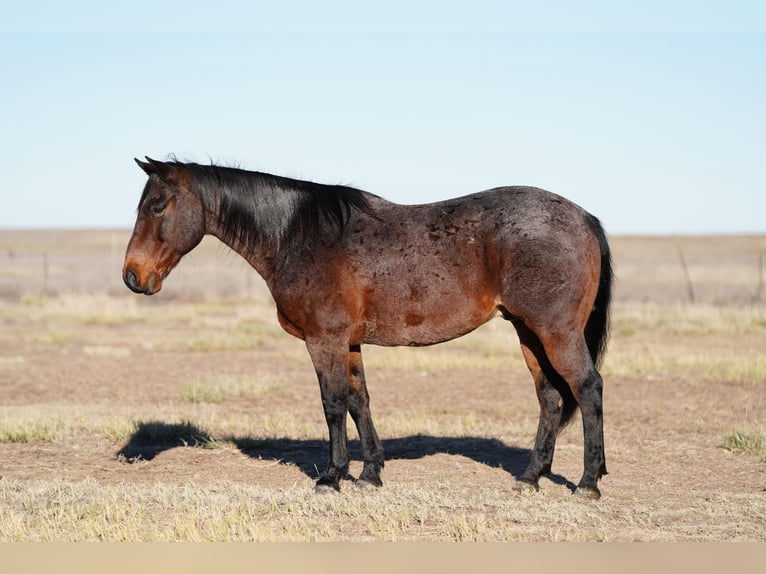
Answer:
(55, 510)
(210, 384)
(688, 319)
(690, 342)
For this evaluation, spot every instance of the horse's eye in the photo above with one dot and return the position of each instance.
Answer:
(159, 207)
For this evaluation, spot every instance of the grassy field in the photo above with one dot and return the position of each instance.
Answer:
(191, 416)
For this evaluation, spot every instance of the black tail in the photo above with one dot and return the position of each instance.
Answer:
(597, 327)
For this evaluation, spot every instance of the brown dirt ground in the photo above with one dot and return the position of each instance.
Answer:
(663, 437)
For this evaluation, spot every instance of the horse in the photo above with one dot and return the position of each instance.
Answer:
(348, 268)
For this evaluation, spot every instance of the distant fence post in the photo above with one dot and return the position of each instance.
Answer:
(687, 274)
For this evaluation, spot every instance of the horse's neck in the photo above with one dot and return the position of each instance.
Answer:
(262, 258)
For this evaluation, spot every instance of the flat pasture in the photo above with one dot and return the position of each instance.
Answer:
(191, 416)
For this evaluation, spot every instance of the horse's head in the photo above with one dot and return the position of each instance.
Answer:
(170, 223)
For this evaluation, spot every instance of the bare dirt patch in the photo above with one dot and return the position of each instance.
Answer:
(191, 416)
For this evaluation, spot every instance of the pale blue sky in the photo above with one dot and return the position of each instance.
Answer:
(652, 115)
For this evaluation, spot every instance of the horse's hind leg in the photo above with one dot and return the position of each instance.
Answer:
(359, 408)
(552, 407)
(569, 357)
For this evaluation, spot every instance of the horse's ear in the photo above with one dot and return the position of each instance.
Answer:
(147, 167)
(165, 171)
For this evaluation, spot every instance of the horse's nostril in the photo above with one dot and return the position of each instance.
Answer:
(131, 280)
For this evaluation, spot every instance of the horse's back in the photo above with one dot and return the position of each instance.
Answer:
(510, 209)
(435, 271)
(505, 226)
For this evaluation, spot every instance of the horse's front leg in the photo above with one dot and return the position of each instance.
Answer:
(359, 407)
(332, 369)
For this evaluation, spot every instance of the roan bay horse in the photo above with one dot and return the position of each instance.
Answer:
(346, 267)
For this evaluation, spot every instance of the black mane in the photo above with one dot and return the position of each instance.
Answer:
(255, 207)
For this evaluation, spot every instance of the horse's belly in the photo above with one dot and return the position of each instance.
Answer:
(418, 327)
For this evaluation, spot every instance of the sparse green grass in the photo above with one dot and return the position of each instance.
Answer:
(749, 442)
(204, 392)
(35, 430)
(219, 389)
(119, 430)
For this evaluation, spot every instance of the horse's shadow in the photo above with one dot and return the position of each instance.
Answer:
(310, 455)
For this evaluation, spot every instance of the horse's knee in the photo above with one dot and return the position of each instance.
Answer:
(590, 393)
(549, 397)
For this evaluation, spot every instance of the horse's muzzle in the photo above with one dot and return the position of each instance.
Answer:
(131, 280)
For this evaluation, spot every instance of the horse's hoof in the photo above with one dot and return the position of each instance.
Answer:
(587, 493)
(322, 488)
(524, 487)
(362, 484)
